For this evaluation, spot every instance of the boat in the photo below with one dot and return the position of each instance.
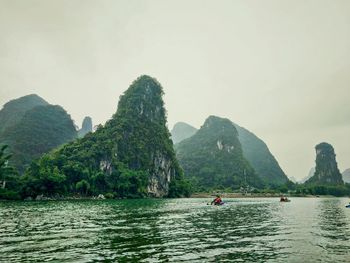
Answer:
(347, 206)
(221, 203)
(284, 199)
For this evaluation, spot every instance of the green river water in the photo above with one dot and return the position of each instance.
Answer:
(176, 230)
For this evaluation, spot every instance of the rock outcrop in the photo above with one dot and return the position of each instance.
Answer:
(213, 157)
(326, 172)
(86, 127)
(182, 131)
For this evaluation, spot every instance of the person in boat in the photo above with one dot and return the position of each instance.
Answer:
(217, 200)
(284, 199)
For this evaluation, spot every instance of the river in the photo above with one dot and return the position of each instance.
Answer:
(176, 230)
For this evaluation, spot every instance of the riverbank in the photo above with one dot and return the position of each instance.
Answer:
(253, 195)
(195, 195)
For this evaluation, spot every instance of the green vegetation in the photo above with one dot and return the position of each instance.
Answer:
(40, 130)
(14, 110)
(9, 180)
(213, 158)
(254, 150)
(260, 158)
(335, 190)
(131, 156)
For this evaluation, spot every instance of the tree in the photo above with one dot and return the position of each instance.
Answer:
(82, 187)
(5, 170)
(9, 185)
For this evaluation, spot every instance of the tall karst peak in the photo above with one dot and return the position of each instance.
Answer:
(327, 171)
(143, 100)
(132, 154)
(213, 159)
(86, 127)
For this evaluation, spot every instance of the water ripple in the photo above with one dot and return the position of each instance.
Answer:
(179, 230)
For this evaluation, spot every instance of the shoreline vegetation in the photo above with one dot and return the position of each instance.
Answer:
(133, 156)
(194, 195)
(257, 195)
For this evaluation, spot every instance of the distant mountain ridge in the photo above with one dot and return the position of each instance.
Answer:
(40, 130)
(31, 127)
(13, 111)
(181, 131)
(86, 127)
(346, 176)
(311, 173)
(213, 159)
(254, 150)
(132, 155)
(260, 157)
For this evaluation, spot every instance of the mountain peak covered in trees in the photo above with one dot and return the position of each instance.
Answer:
(254, 149)
(40, 130)
(13, 111)
(130, 156)
(213, 159)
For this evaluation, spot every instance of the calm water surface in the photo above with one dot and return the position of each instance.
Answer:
(180, 230)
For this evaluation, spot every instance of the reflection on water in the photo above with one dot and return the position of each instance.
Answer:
(243, 230)
(334, 228)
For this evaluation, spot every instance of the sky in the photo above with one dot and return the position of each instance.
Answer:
(278, 68)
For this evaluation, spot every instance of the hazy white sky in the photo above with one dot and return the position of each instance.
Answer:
(279, 68)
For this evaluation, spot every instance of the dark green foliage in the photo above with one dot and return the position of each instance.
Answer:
(254, 150)
(131, 156)
(40, 130)
(334, 190)
(43, 177)
(179, 188)
(82, 187)
(9, 180)
(213, 159)
(260, 158)
(14, 110)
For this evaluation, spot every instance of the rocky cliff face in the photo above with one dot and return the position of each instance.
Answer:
(132, 155)
(213, 157)
(326, 171)
(145, 142)
(86, 127)
(182, 131)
